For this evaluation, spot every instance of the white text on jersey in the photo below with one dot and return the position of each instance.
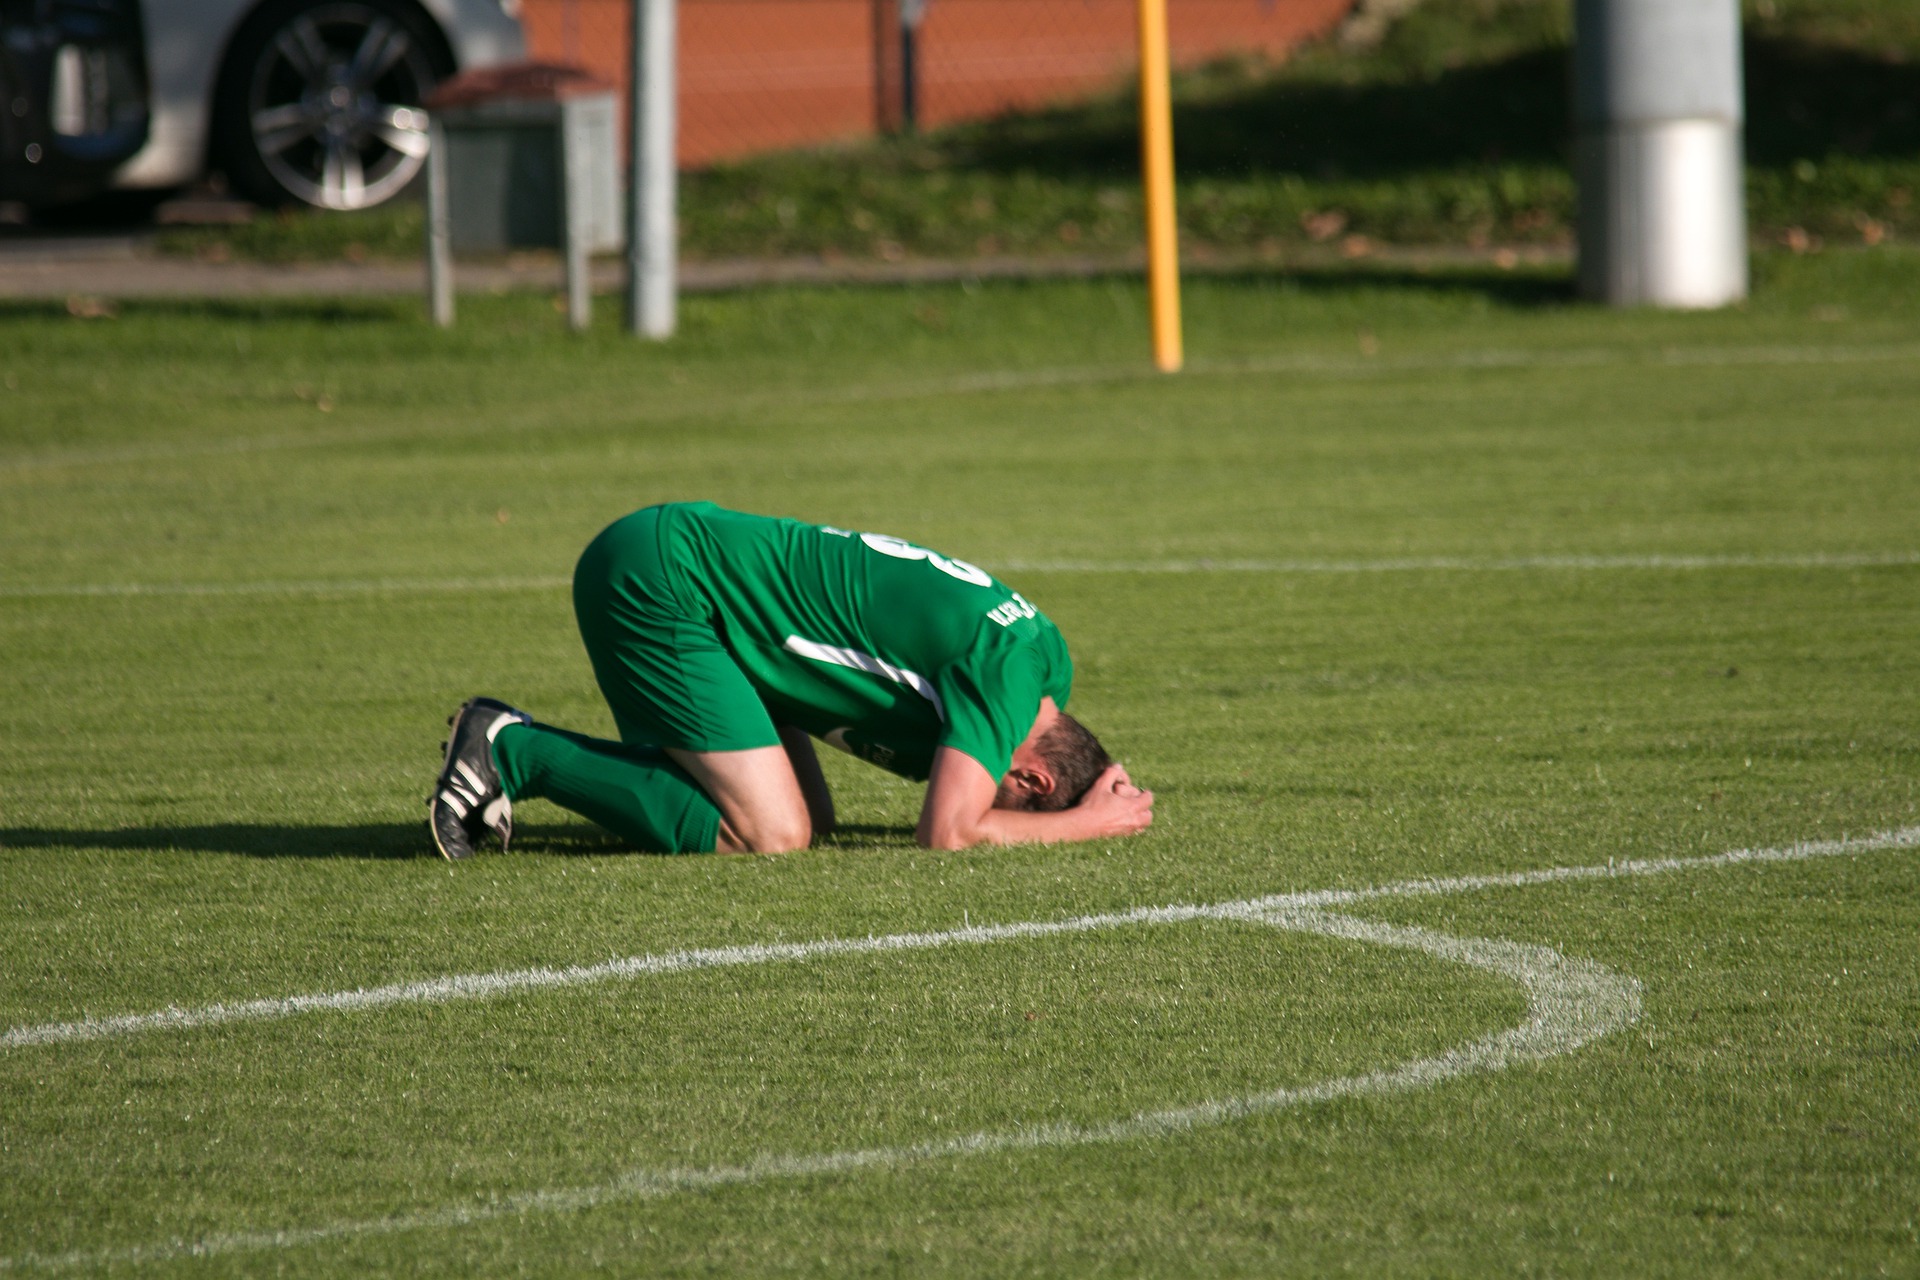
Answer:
(1012, 611)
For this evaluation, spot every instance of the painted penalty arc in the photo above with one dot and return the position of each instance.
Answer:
(481, 986)
(1569, 1004)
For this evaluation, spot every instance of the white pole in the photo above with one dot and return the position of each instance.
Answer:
(576, 213)
(439, 236)
(1658, 95)
(652, 248)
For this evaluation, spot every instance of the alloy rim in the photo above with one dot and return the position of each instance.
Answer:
(335, 108)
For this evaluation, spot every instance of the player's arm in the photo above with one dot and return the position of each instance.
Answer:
(959, 809)
(813, 782)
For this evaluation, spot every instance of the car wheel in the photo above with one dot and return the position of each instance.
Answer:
(319, 101)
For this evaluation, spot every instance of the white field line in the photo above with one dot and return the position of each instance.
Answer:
(305, 587)
(990, 383)
(479, 986)
(1403, 564)
(1569, 1003)
(1476, 564)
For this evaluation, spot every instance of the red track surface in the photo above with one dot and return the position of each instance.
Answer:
(759, 75)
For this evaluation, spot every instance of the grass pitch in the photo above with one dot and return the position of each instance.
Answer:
(1407, 577)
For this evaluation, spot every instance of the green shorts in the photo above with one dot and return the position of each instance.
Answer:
(656, 651)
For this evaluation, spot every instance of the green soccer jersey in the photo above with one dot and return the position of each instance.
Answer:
(874, 645)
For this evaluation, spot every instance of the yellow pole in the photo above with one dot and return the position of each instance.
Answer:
(1156, 165)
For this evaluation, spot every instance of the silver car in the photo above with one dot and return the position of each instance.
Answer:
(296, 101)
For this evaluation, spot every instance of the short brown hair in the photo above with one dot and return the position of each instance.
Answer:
(1076, 758)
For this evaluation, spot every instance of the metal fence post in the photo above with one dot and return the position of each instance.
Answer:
(439, 231)
(576, 213)
(911, 12)
(1658, 108)
(652, 248)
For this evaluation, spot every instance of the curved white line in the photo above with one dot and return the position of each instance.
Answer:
(479, 986)
(1569, 1003)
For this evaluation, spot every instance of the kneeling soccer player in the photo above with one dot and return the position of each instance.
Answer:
(724, 642)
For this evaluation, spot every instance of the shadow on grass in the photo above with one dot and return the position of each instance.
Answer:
(253, 839)
(329, 311)
(1440, 276)
(1804, 100)
(866, 834)
(373, 841)
(1522, 288)
(1513, 110)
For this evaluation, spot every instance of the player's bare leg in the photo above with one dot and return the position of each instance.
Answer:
(762, 808)
(813, 782)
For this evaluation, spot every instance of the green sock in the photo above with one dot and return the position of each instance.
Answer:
(638, 793)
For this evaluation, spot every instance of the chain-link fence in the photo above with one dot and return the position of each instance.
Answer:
(762, 75)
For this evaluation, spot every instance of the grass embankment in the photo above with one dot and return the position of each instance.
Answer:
(1452, 132)
(254, 552)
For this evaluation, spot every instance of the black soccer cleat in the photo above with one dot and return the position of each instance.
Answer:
(467, 799)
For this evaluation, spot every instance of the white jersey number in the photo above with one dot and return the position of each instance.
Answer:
(901, 550)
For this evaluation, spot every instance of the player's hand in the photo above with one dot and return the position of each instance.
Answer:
(1113, 806)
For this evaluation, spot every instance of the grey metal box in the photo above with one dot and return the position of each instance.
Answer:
(522, 156)
(507, 173)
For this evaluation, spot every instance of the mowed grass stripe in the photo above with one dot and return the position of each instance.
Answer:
(700, 406)
(1408, 564)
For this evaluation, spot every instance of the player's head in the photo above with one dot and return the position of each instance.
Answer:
(1053, 771)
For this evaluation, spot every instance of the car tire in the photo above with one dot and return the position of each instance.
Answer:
(319, 101)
